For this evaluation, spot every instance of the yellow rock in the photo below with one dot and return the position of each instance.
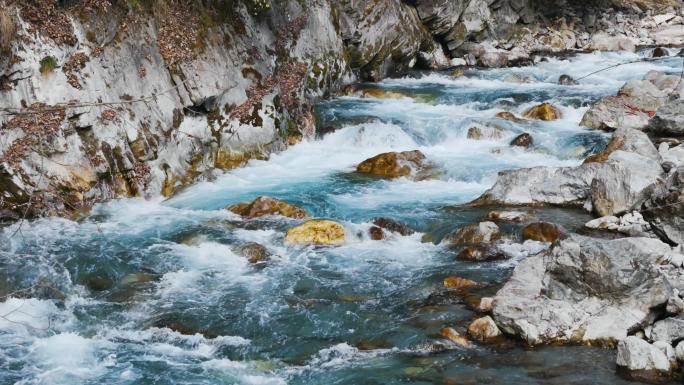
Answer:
(264, 205)
(316, 232)
(453, 336)
(458, 283)
(544, 111)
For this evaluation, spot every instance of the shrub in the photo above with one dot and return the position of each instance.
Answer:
(47, 65)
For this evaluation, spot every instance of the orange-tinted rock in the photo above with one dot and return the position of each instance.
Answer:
(376, 233)
(396, 165)
(543, 232)
(474, 234)
(452, 335)
(483, 329)
(480, 254)
(459, 283)
(264, 205)
(393, 226)
(505, 115)
(316, 232)
(544, 111)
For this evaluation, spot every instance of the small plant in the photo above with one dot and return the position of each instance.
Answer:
(47, 65)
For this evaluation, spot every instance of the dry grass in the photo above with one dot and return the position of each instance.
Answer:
(8, 29)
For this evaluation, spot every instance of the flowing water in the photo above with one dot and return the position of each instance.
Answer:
(152, 292)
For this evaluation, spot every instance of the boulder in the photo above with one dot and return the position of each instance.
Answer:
(543, 232)
(518, 79)
(641, 360)
(393, 226)
(484, 232)
(523, 140)
(567, 80)
(669, 120)
(544, 111)
(483, 329)
(493, 59)
(660, 52)
(452, 335)
(505, 115)
(481, 253)
(459, 283)
(316, 232)
(376, 233)
(584, 290)
(485, 305)
(604, 42)
(670, 330)
(508, 216)
(679, 352)
(632, 224)
(410, 164)
(486, 132)
(664, 209)
(255, 253)
(629, 140)
(265, 205)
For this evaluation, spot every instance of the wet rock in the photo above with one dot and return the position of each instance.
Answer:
(505, 115)
(99, 282)
(411, 164)
(376, 233)
(670, 330)
(543, 232)
(393, 226)
(664, 209)
(485, 305)
(641, 360)
(452, 335)
(544, 111)
(518, 79)
(481, 253)
(567, 80)
(255, 253)
(316, 232)
(265, 205)
(483, 329)
(139, 278)
(660, 52)
(632, 224)
(628, 140)
(523, 140)
(486, 132)
(669, 120)
(459, 283)
(484, 232)
(584, 290)
(508, 216)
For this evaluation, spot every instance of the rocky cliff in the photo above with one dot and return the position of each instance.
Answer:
(115, 98)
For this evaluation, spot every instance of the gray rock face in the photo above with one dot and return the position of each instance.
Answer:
(669, 120)
(635, 354)
(583, 290)
(664, 209)
(670, 330)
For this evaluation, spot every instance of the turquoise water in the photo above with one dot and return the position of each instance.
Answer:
(154, 292)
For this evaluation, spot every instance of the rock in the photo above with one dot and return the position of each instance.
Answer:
(508, 216)
(484, 232)
(567, 80)
(139, 278)
(523, 140)
(480, 254)
(643, 360)
(378, 93)
(675, 304)
(543, 232)
(483, 329)
(632, 224)
(663, 18)
(669, 120)
(452, 335)
(459, 283)
(98, 282)
(664, 209)
(660, 52)
(628, 140)
(255, 253)
(505, 115)
(544, 111)
(679, 352)
(670, 330)
(518, 79)
(316, 232)
(265, 205)
(493, 59)
(604, 42)
(376, 233)
(411, 164)
(673, 156)
(485, 305)
(670, 35)
(609, 222)
(393, 226)
(486, 132)
(584, 290)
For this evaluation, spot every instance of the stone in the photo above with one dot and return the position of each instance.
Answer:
(485, 305)
(376, 233)
(493, 59)
(660, 52)
(604, 42)
(316, 232)
(480, 254)
(458, 283)
(484, 232)
(508, 216)
(609, 222)
(628, 140)
(486, 132)
(410, 164)
(643, 360)
(505, 115)
(543, 232)
(518, 79)
(567, 80)
(664, 209)
(523, 140)
(265, 205)
(669, 120)
(679, 352)
(483, 329)
(255, 253)
(584, 290)
(452, 335)
(393, 226)
(544, 111)
(670, 330)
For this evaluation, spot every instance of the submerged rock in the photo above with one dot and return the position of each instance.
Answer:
(543, 232)
(486, 132)
(660, 52)
(316, 232)
(481, 253)
(505, 115)
(376, 233)
(255, 253)
(484, 232)
(523, 140)
(544, 111)
(567, 80)
(393, 226)
(508, 216)
(452, 335)
(519, 79)
(484, 329)
(412, 164)
(584, 290)
(641, 360)
(265, 205)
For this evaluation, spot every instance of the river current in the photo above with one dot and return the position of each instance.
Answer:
(155, 292)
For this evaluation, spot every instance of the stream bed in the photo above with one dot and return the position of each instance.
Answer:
(155, 292)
